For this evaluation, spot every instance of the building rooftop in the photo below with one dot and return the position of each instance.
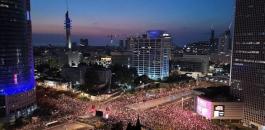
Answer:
(216, 94)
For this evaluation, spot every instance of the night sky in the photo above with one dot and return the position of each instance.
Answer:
(186, 20)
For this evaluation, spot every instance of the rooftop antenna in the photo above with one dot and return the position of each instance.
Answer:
(67, 5)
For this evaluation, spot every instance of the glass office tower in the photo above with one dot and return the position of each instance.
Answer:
(17, 83)
(248, 62)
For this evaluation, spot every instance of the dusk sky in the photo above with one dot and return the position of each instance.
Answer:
(186, 20)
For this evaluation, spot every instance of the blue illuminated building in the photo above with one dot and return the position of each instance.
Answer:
(17, 83)
(154, 34)
(151, 54)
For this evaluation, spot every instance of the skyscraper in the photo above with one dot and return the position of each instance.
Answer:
(17, 83)
(248, 62)
(68, 30)
(213, 42)
(225, 42)
(151, 54)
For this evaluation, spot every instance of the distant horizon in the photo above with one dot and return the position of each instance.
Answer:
(186, 20)
(59, 40)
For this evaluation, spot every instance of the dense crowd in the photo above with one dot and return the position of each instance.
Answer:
(57, 106)
(165, 117)
(171, 116)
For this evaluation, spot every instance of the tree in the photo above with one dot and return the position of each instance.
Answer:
(129, 126)
(123, 74)
(117, 126)
(142, 79)
(19, 123)
(82, 64)
(177, 78)
(138, 125)
(226, 68)
(2, 126)
(43, 67)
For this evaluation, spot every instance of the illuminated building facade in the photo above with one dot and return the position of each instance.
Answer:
(151, 54)
(222, 110)
(17, 83)
(248, 61)
(217, 103)
(74, 58)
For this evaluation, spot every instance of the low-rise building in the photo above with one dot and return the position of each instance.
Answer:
(193, 65)
(197, 48)
(77, 75)
(217, 103)
(123, 58)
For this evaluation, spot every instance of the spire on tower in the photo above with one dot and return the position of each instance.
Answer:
(68, 27)
(67, 5)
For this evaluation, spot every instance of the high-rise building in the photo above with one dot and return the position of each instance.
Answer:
(248, 62)
(151, 54)
(17, 83)
(225, 42)
(68, 30)
(213, 42)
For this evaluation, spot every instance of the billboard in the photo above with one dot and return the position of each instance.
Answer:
(204, 108)
(219, 110)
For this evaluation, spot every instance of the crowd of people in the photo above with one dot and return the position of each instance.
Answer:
(173, 117)
(164, 117)
(57, 106)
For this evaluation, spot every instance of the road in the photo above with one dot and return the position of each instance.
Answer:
(160, 101)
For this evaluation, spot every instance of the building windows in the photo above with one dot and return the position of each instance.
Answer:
(249, 58)
(150, 56)
(247, 52)
(28, 15)
(248, 43)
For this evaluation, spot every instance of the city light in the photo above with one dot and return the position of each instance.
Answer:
(160, 65)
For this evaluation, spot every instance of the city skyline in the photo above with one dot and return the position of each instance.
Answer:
(187, 21)
(113, 64)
